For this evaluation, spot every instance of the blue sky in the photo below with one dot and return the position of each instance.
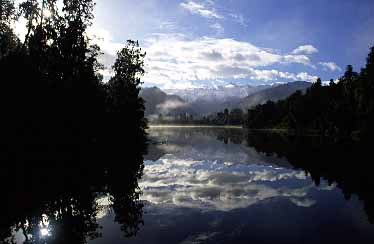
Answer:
(214, 42)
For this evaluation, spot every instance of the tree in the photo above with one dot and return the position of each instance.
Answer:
(337, 110)
(226, 115)
(54, 92)
(29, 9)
(236, 117)
(364, 95)
(8, 40)
(124, 86)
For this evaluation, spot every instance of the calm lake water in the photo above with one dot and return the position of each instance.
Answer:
(216, 185)
(206, 185)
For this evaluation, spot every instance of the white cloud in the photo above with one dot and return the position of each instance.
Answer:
(274, 75)
(301, 59)
(199, 238)
(104, 39)
(330, 66)
(200, 9)
(306, 203)
(304, 76)
(210, 185)
(168, 25)
(207, 11)
(306, 49)
(189, 60)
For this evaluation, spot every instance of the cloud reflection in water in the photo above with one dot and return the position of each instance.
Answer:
(209, 185)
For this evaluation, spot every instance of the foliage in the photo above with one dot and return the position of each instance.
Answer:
(53, 93)
(63, 127)
(234, 117)
(338, 109)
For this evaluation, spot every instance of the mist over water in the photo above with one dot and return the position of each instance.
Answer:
(186, 121)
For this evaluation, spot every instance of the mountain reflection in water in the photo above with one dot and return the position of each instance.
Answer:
(198, 185)
(215, 185)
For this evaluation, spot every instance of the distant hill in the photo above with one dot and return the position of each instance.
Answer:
(216, 94)
(274, 94)
(204, 101)
(208, 100)
(158, 102)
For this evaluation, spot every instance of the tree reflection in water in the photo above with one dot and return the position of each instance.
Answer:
(44, 202)
(346, 163)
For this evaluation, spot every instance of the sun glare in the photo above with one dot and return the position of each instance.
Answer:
(44, 232)
(47, 13)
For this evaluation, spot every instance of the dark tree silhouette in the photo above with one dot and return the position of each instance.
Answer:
(63, 130)
(125, 83)
(66, 200)
(340, 109)
(53, 95)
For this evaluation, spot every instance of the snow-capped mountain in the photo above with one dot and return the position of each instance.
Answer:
(204, 101)
(220, 94)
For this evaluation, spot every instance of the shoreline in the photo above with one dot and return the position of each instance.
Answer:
(196, 126)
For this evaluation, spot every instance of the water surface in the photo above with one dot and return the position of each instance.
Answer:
(207, 185)
(197, 185)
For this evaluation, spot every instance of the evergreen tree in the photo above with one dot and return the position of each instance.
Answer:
(124, 87)
(8, 40)
(54, 94)
(337, 110)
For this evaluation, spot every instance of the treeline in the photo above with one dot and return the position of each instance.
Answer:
(53, 101)
(227, 117)
(234, 117)
(339, 109)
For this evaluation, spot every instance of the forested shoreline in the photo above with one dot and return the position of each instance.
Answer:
(340, 109)
(343, 108)
(53, 98)
(53, 94)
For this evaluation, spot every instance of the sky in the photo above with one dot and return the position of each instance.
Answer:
(204, 43)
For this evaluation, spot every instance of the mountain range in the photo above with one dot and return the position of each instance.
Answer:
(217, 93)
(203, 101)
(274, 93)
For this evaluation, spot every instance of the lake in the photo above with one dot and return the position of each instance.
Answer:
(216, 185)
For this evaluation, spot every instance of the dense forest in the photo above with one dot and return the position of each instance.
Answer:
(63, 130)
(341, 109)
(227, 117)
(53, 99)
